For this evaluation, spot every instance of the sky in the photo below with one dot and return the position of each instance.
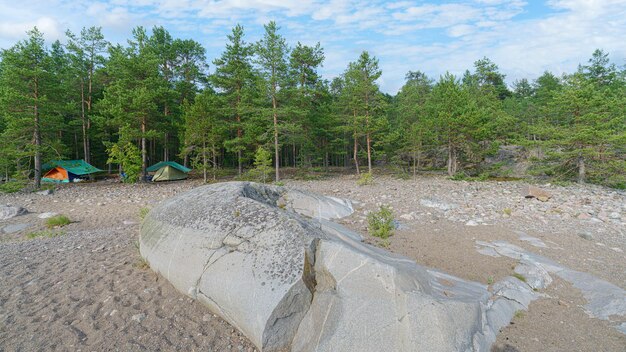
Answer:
(524, 38)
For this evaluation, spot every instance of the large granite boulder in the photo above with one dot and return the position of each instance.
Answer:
(269, 261)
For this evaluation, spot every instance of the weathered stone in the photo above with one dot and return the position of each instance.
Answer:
(268, 261)
(45, 192)
(8, 212)
(47, 215)
(438, 204)
(536, 192)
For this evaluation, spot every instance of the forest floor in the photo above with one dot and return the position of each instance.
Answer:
(88, 289)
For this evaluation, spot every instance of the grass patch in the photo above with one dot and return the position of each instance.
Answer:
(365, 179)
(519, 277)
(45, 234)
(57, 221)
(507, 211)
(519, 314)
(143, 212)
(384, 243)
(380, 223)
(490, 280)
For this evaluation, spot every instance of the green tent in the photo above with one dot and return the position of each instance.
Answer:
(63, 171)
(168, 171)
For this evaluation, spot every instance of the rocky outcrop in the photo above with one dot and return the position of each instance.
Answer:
(536, 192)
(8, 212)
(269, 261)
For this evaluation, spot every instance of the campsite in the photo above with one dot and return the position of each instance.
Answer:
(313, 176)
(90, 287)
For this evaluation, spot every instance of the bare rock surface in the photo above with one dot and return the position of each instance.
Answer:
(8, 212)
(256, 256)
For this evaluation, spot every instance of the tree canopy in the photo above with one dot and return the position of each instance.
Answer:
(157, 98)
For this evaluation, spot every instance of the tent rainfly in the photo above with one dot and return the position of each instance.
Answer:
(168, 171)
(63, 171)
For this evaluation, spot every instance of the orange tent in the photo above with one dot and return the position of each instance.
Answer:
(58, 174)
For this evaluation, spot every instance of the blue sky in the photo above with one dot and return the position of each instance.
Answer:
(524, 38)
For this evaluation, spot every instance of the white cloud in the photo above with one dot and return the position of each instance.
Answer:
(406, 35)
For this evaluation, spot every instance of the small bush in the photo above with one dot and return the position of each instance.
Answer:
(381, 223)
(12, 186)
(365, 179)
(47, 234)
(262, 163)
(57, 221)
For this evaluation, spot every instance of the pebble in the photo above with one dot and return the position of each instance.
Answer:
(139, 317)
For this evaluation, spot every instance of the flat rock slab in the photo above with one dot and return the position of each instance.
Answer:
(8, 212)
(269, 261)
(13, 228)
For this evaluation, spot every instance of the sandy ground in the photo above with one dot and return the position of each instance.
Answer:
(88, 289)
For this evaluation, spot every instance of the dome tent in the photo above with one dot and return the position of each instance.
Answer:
(63, 171)
(168, 171)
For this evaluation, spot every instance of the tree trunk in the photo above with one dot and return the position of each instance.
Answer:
(356, 146)
(277, 162)
(204, 161)
(369, 153)
(166, 155)
(581, 168)
(84, 120)
(214, 155)
(89, 106)
(76, 144)
(144, 151)
(239, 132)
(37, 138)
(414, 164)
(451, 161)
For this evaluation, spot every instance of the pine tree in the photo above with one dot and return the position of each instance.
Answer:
(131, 98)
(304, 86)
(204, 130)
(25, 79)
(365, 97)
(272, 54)
(234, 78)
(86, 58)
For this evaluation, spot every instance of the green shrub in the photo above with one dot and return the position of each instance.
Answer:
(12, 186)
(57, 221)
(381, 223)
(129, 157)
(365, 179)
(46, 233)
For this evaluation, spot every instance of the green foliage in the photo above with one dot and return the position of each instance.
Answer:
(45, 233)
(12, 186)
(143, 212)
(129, 157)
(57, 221)
(151, 100)
(262, 164)
(380, 223)
(519, 277)
(365, 179)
